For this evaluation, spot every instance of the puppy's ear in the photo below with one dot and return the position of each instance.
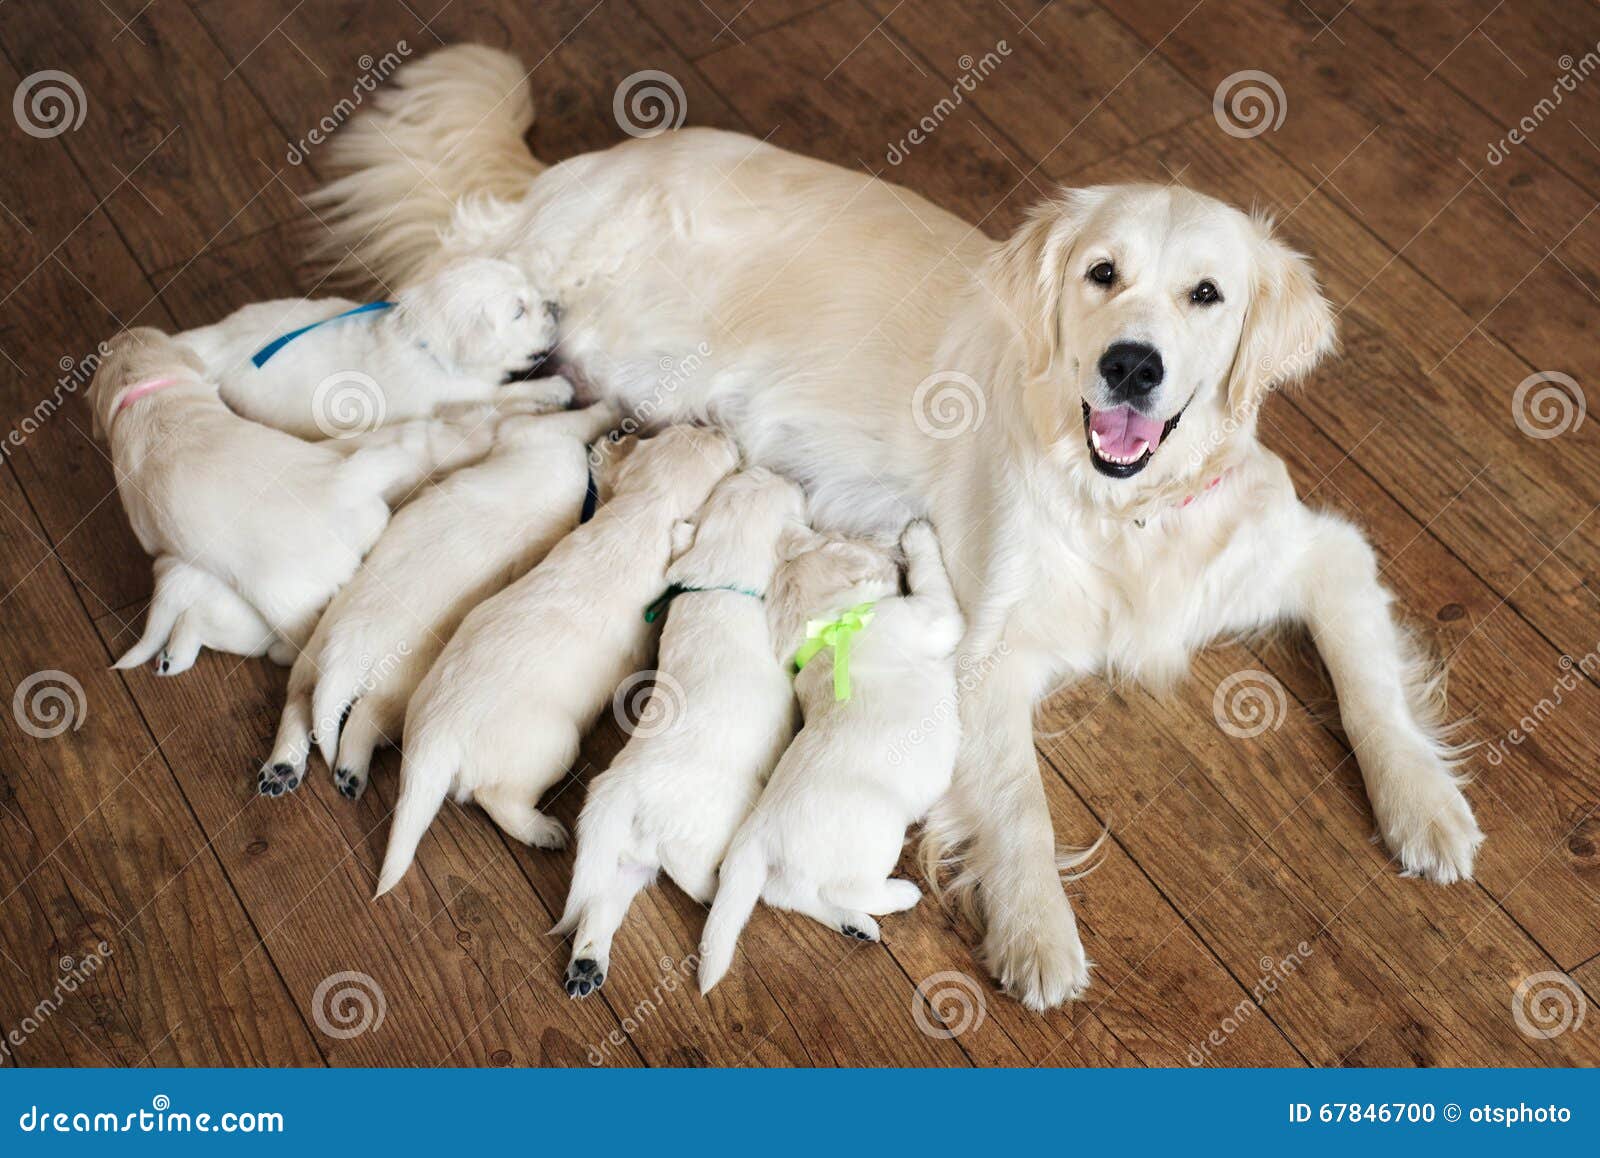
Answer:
(682, 537)
(796, 540)
(1288, 325)
(1027, 274)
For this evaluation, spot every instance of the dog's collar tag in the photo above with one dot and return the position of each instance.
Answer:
(837, 634)
(259, 358)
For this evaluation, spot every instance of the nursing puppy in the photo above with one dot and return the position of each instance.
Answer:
(721, 714)
(281, 522)
(192, 609)
(501, 714)
(445, 552)
(446, 341)
(829, 828)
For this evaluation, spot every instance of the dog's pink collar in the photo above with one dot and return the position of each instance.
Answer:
(1187, 499)
(143, 388)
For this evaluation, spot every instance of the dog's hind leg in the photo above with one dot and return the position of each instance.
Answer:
(508, 805)
(597, 924)
(876, 897)
(182, 647)
(805, 899)
(369, 726)
(286, 766)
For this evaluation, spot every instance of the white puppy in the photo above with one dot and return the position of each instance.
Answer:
(281, 522)
(721, 714)
(445, 552)
(192, 609)
(877, 750)
(449, 340)
(501, 714)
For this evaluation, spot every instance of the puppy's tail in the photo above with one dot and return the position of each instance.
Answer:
(447, 125)
(425, 774)
(177, 588)
(739, 883)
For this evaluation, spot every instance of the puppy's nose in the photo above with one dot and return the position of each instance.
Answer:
(1131, 369)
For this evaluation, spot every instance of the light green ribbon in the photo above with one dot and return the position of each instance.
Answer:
(835, 633)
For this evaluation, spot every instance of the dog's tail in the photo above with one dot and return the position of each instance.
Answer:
(448, 125)
(177, 587)
(425, 774)
(739, 883)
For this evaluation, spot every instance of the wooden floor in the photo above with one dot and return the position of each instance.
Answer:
(1241, 914)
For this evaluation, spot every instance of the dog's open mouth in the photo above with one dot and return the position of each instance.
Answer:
(1121, 440)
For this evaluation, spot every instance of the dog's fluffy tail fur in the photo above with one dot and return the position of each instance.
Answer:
(739, 883)
(448, 125)
(425, 775)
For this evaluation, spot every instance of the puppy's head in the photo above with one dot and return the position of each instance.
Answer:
(736, 534)
(482, 316)
(1155, 321)
(681, 465)
(136, 357)
(822, 575)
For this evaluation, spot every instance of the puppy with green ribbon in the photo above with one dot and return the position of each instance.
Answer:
(876, 682)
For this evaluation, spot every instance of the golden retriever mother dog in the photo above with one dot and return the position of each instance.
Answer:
(1074, 407)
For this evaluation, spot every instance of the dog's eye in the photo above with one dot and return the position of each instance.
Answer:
(522, 308)
(1102, 273)
(1205, 294)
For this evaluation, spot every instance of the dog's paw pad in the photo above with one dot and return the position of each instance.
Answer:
(278, 779)
(163, 664)
(858, 934)
(584, 977)
(350, 784)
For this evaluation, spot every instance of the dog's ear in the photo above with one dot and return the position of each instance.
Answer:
(682, 538)
(796, 539)
(1288, 325)
(1027, 274)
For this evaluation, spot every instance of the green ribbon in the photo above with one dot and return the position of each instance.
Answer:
(659, 608)
(835, 633)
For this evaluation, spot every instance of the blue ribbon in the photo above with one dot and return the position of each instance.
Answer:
(260, 357)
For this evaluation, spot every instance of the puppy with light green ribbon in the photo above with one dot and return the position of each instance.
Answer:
(877, 690)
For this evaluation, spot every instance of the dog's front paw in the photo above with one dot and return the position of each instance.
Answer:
(277, 779)
(1430, 827)
(1037, 955)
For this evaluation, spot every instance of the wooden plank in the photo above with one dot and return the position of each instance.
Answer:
(1484, 241)
(819, 85)
(1508, 61)
(578, 52)
(183, 154)
(308, 890)
(1059, 76)
(106, 849)
(73, 282)
(699, 27)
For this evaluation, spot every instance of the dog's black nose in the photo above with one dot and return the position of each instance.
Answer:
(1131, 369)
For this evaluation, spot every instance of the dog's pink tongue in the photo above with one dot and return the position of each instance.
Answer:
(1121, 432)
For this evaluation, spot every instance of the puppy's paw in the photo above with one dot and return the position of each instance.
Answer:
(545, 832)
(860, 927)
(278, 779)
(1037, 955)
(1432, 830)
(584, 976)
(351, 784)
(171, 664)
(918, 537)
